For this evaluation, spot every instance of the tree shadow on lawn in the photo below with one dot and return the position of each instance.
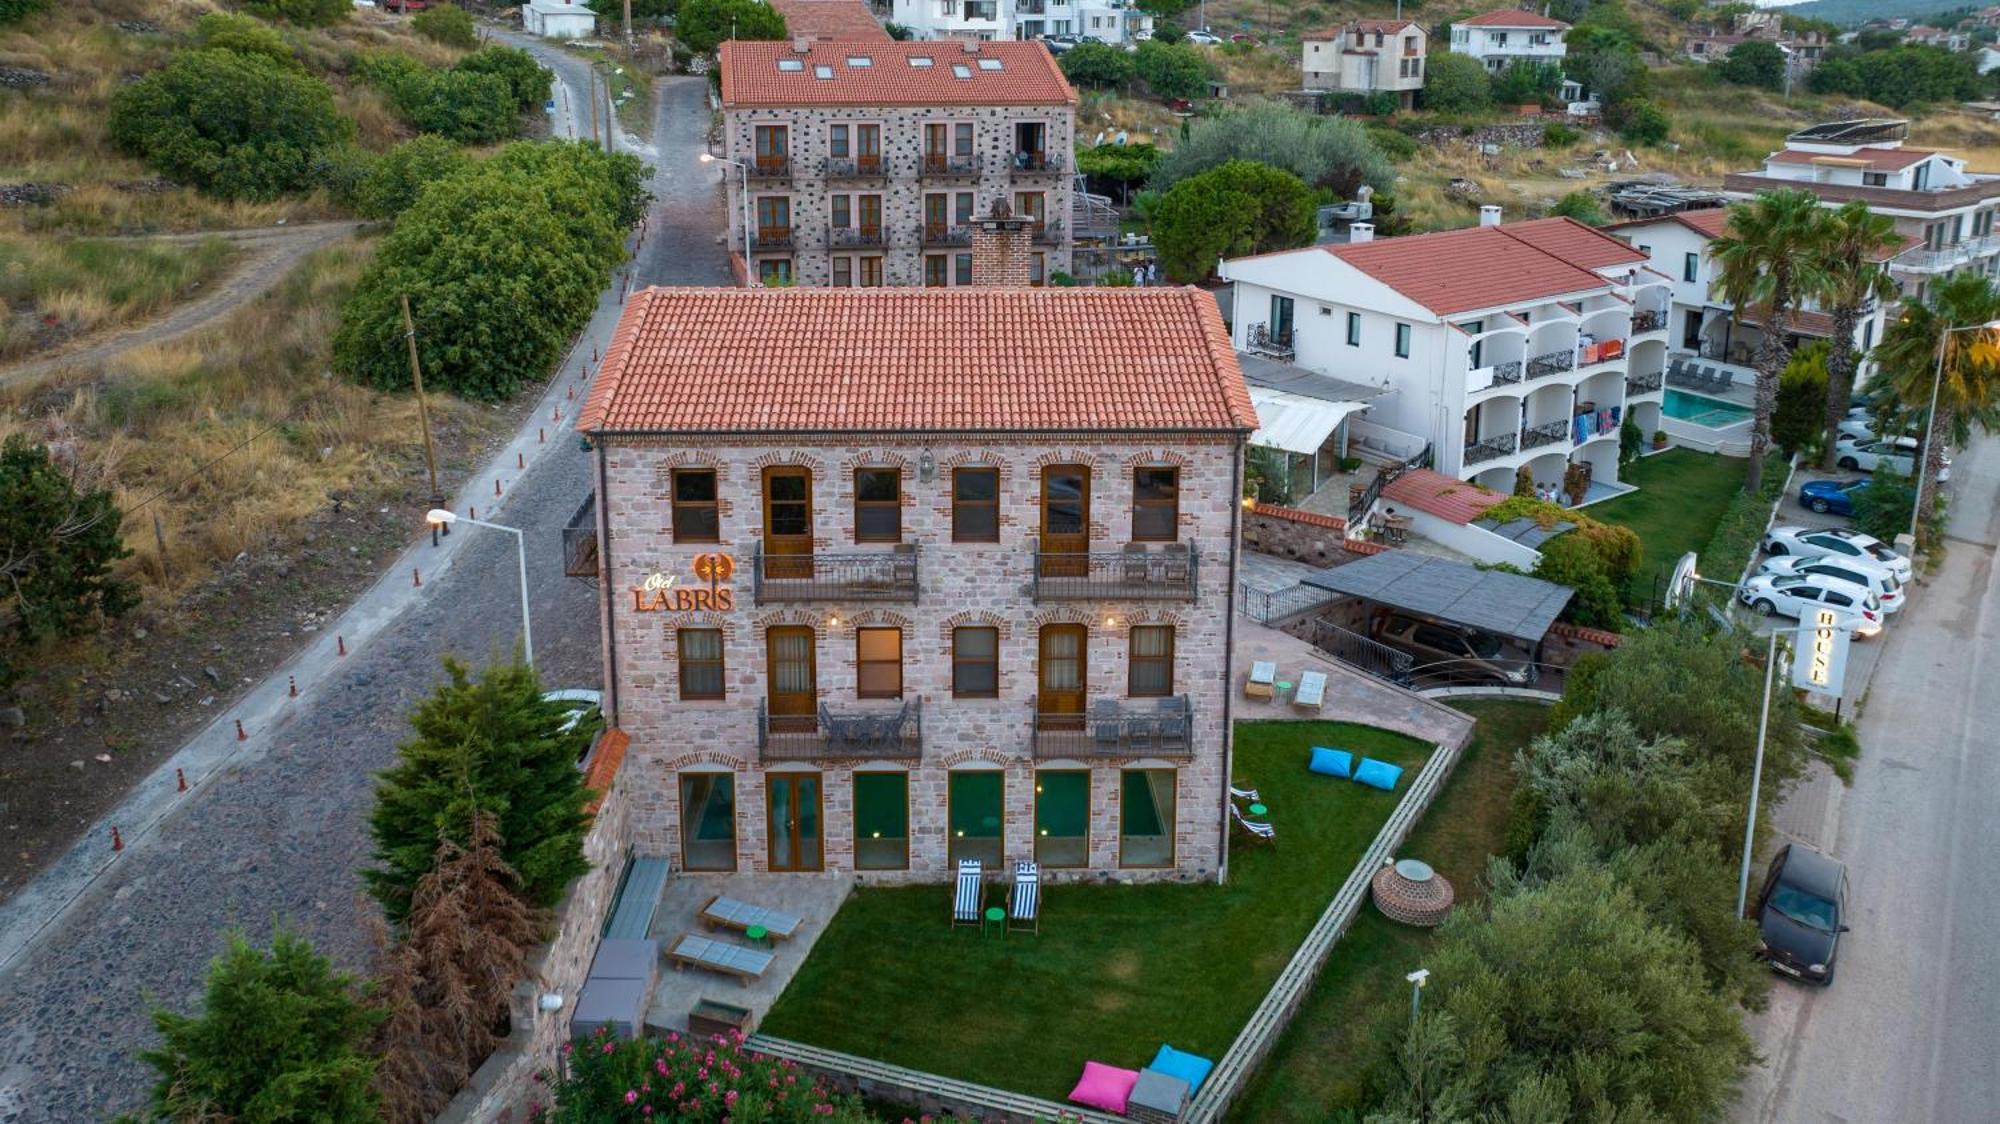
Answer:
(1116, 970)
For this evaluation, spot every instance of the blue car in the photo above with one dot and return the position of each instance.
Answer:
(1834, 497)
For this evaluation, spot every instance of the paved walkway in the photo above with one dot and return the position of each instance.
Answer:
(1351, 696)
(813, 899)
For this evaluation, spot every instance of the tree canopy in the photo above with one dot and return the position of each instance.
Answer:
(59, 539)
(468, 106)
(446, 23)
(703, 24)
(1330, 153)
(1241, 207)
(399, 175)
(1901, 76)
(1754, 62)
(305, 13)
(1098, 64)
(1172, 70)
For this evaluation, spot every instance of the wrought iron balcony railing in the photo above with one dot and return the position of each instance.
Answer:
(1554, 363)
(937, 164)
(1491, 448)
(883, 575)
(772, 238)
(769, 168)
(855, 237)
(1547, 433)
(1137, 573)
(1644, 384)
(854, 167)
(1116, 728)
(945, 234)
(1030, 163)
(579, 539)
(1262, 339)
(1648, 322)
(891, 732)
(1048, 233)
(1508, 372)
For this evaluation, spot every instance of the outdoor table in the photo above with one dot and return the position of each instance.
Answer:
(1258, 810)
(995, 916)
(757, 934)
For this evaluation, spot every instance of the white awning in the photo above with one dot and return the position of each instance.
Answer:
(1295, 423)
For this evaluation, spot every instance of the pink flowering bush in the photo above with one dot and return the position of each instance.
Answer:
(689, 1081)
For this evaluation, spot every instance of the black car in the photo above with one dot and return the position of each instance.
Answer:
(1800, 913)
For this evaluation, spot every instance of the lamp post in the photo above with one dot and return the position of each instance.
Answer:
(1930, 423)
(1417, 979)
(439, 517)
(742, 169)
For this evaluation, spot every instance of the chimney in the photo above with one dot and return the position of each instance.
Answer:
(972, 46)
(1489, 215)
(1000, 249)
(1361, 232)
(801, 45)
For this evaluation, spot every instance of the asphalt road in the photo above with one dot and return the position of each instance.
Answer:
(1907, 1031)
(280, 834)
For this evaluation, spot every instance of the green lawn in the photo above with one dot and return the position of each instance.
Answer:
(1318, 1063)
(1682, 495)
(1116, 970)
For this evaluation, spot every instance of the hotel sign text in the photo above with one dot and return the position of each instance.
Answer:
(659, 593)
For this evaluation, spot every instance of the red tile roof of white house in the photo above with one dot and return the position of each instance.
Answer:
(1877, 159)
(919, 360)
(1434, 493)
(1386, 27)
(933, 72)
(844, 21)
(1511, 18)
(1490, 266)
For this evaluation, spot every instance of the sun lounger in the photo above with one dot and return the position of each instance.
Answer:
(1728, 379)
(1311, 694)
(1249, 794)
(694, 949)
(1263, 680)
(723, 912)
(1024, 901)
(1258, 828)
(968, 899)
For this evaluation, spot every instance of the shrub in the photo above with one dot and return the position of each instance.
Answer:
(447, 24)
(704, 24)
(304, 13)
(231, 31)
(1883, 508)
(1098, 64)
(1239, 208)
(1122, 165)
(529, 80)
(1166, 31)
(1526, 82)
(1741, 527)
(683, 1078)
(1754, 62)
(1581, 206)
(1798, 423)
(1645, 123)
(1456, 83)
(1555, 134)
(401, 174)
(465, 105)
(60, 538)
(14, 11)
(1397, 146)
(1568, 560)
(237, 125)
(1333, 154)
(1172, 70)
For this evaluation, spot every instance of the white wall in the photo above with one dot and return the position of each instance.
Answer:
(1476, 542)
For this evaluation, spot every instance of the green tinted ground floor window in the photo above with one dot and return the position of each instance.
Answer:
(708, 821)
(1146, 817)
(1062, 817)
(977, 816)
(881, 821)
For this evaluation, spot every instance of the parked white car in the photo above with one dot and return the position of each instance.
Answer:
(1898, 453)
(1878, 580)
(1205, 38)
(1837, 542)
(1795, 596)
(1863, 428)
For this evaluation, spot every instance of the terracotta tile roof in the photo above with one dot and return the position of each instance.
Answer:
(1443, 496)
(1299, 515)
(1488, 266)
(924, 360)
(1386, 27)
(1511, 17)
(1011, 72)
(842, 20)
(602, 771)
(1877, 159)
(1803, 323)
(1713, 222)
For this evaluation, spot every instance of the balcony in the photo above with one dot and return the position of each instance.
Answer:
(1117, 728)
(854, 168)
(855, 237)
(1603, 351)
(937, 165)
(1644, 384)
(945, 234)
(579, 541)
(1137, 573)
(1920, 259)
(1643, 322)
(1554, 363)
(769, 168)
(1260, 339)
(1929, 200)
(1499, 374)
(1492, 448)
(885, 575)
(772, 238)
(1036, 163)
(891, 732)
(1547, 433)
(1047, 233)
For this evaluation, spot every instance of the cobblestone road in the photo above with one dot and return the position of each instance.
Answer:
(282, 835)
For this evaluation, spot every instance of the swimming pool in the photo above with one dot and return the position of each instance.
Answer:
(1710, 412)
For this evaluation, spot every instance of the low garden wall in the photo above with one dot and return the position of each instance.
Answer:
(1302, 536)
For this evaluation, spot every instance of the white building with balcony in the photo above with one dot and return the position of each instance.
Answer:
(961, 19)
(1366, 56)
(1501, 38)
(1503, 346)
(1118, 22)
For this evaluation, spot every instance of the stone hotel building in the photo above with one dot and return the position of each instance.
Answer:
(892, 579)
(866, 162)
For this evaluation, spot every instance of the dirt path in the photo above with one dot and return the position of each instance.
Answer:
(269, 253)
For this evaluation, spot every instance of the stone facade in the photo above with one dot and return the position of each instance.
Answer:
(958, 584)
(968, 191)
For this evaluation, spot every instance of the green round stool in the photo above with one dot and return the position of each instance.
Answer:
(1258, 809)
(757, 935)
(996, 916)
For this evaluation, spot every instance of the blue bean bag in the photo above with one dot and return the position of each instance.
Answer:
(1378, 774)
(1331, 763)
(1191, 1068)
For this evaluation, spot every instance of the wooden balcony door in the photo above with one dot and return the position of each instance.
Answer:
(792, 810)
(868, 148)
(937, 214)
(868, 215)
(937, 145)
(1060, 675)
(788, 539)
(1065, 520)
(793, 679)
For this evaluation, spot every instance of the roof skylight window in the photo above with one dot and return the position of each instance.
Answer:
(920, 61)
(860, 60)
(792, 66)
(961, 71)
(991, 64)
(821, 70)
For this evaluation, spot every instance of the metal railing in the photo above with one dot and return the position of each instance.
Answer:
(1547, 433)
(772, 238)
(894, 732)
(1498, 445)
(854, 167)
(1648, 322)
(1645, 384)
(1162, 727)
(940, 164)
(1047, 233)
(945, 234)
(770, 168)
(1508, 372)
(1357, 511)
(1262, 339)
(885, 575)
(579, 540)
(850, 237)
(1358, 651)
(1137, 573)
(1553, 363)
(1036, 162)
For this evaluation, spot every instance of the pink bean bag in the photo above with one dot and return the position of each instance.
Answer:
(1105, 1086)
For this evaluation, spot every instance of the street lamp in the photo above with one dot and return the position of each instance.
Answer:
(1417, 979)
(742, 169)
(439, 517)
(1924, 453)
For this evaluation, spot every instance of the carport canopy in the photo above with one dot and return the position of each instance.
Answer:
(1494, 601)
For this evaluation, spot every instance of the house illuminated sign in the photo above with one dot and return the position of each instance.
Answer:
(1821, 661)
(663, 593)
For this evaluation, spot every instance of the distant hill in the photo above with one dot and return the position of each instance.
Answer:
(1848, 12)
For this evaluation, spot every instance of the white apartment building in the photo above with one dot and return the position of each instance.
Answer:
(1365, 57)
(1499, 39)
(1502, 346)
(1118, 22)
(1944, 212)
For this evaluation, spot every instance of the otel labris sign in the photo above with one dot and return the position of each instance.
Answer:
(659, 593)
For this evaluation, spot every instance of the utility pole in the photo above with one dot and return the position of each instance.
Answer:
(423, 416)
(628, 24)
(594, 139)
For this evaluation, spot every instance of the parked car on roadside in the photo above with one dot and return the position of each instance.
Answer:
(1059, 44)
(1839, 542)
(1454, 653)
(1801, 912)
(1899, 454)
(1877, 580)
(1204, 37)
(1831, 497)
(1796, 596)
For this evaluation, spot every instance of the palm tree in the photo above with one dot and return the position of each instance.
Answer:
(1772, 253)
(1967, 380)
(1857, 241)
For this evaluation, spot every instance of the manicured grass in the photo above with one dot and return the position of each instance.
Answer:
(1116, 970)
(1682, 495)
(1320, 1060)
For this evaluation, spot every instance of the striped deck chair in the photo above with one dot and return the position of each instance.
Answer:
(1246, 794)
(1257, 828)
(968, 899)
(1024, 900)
